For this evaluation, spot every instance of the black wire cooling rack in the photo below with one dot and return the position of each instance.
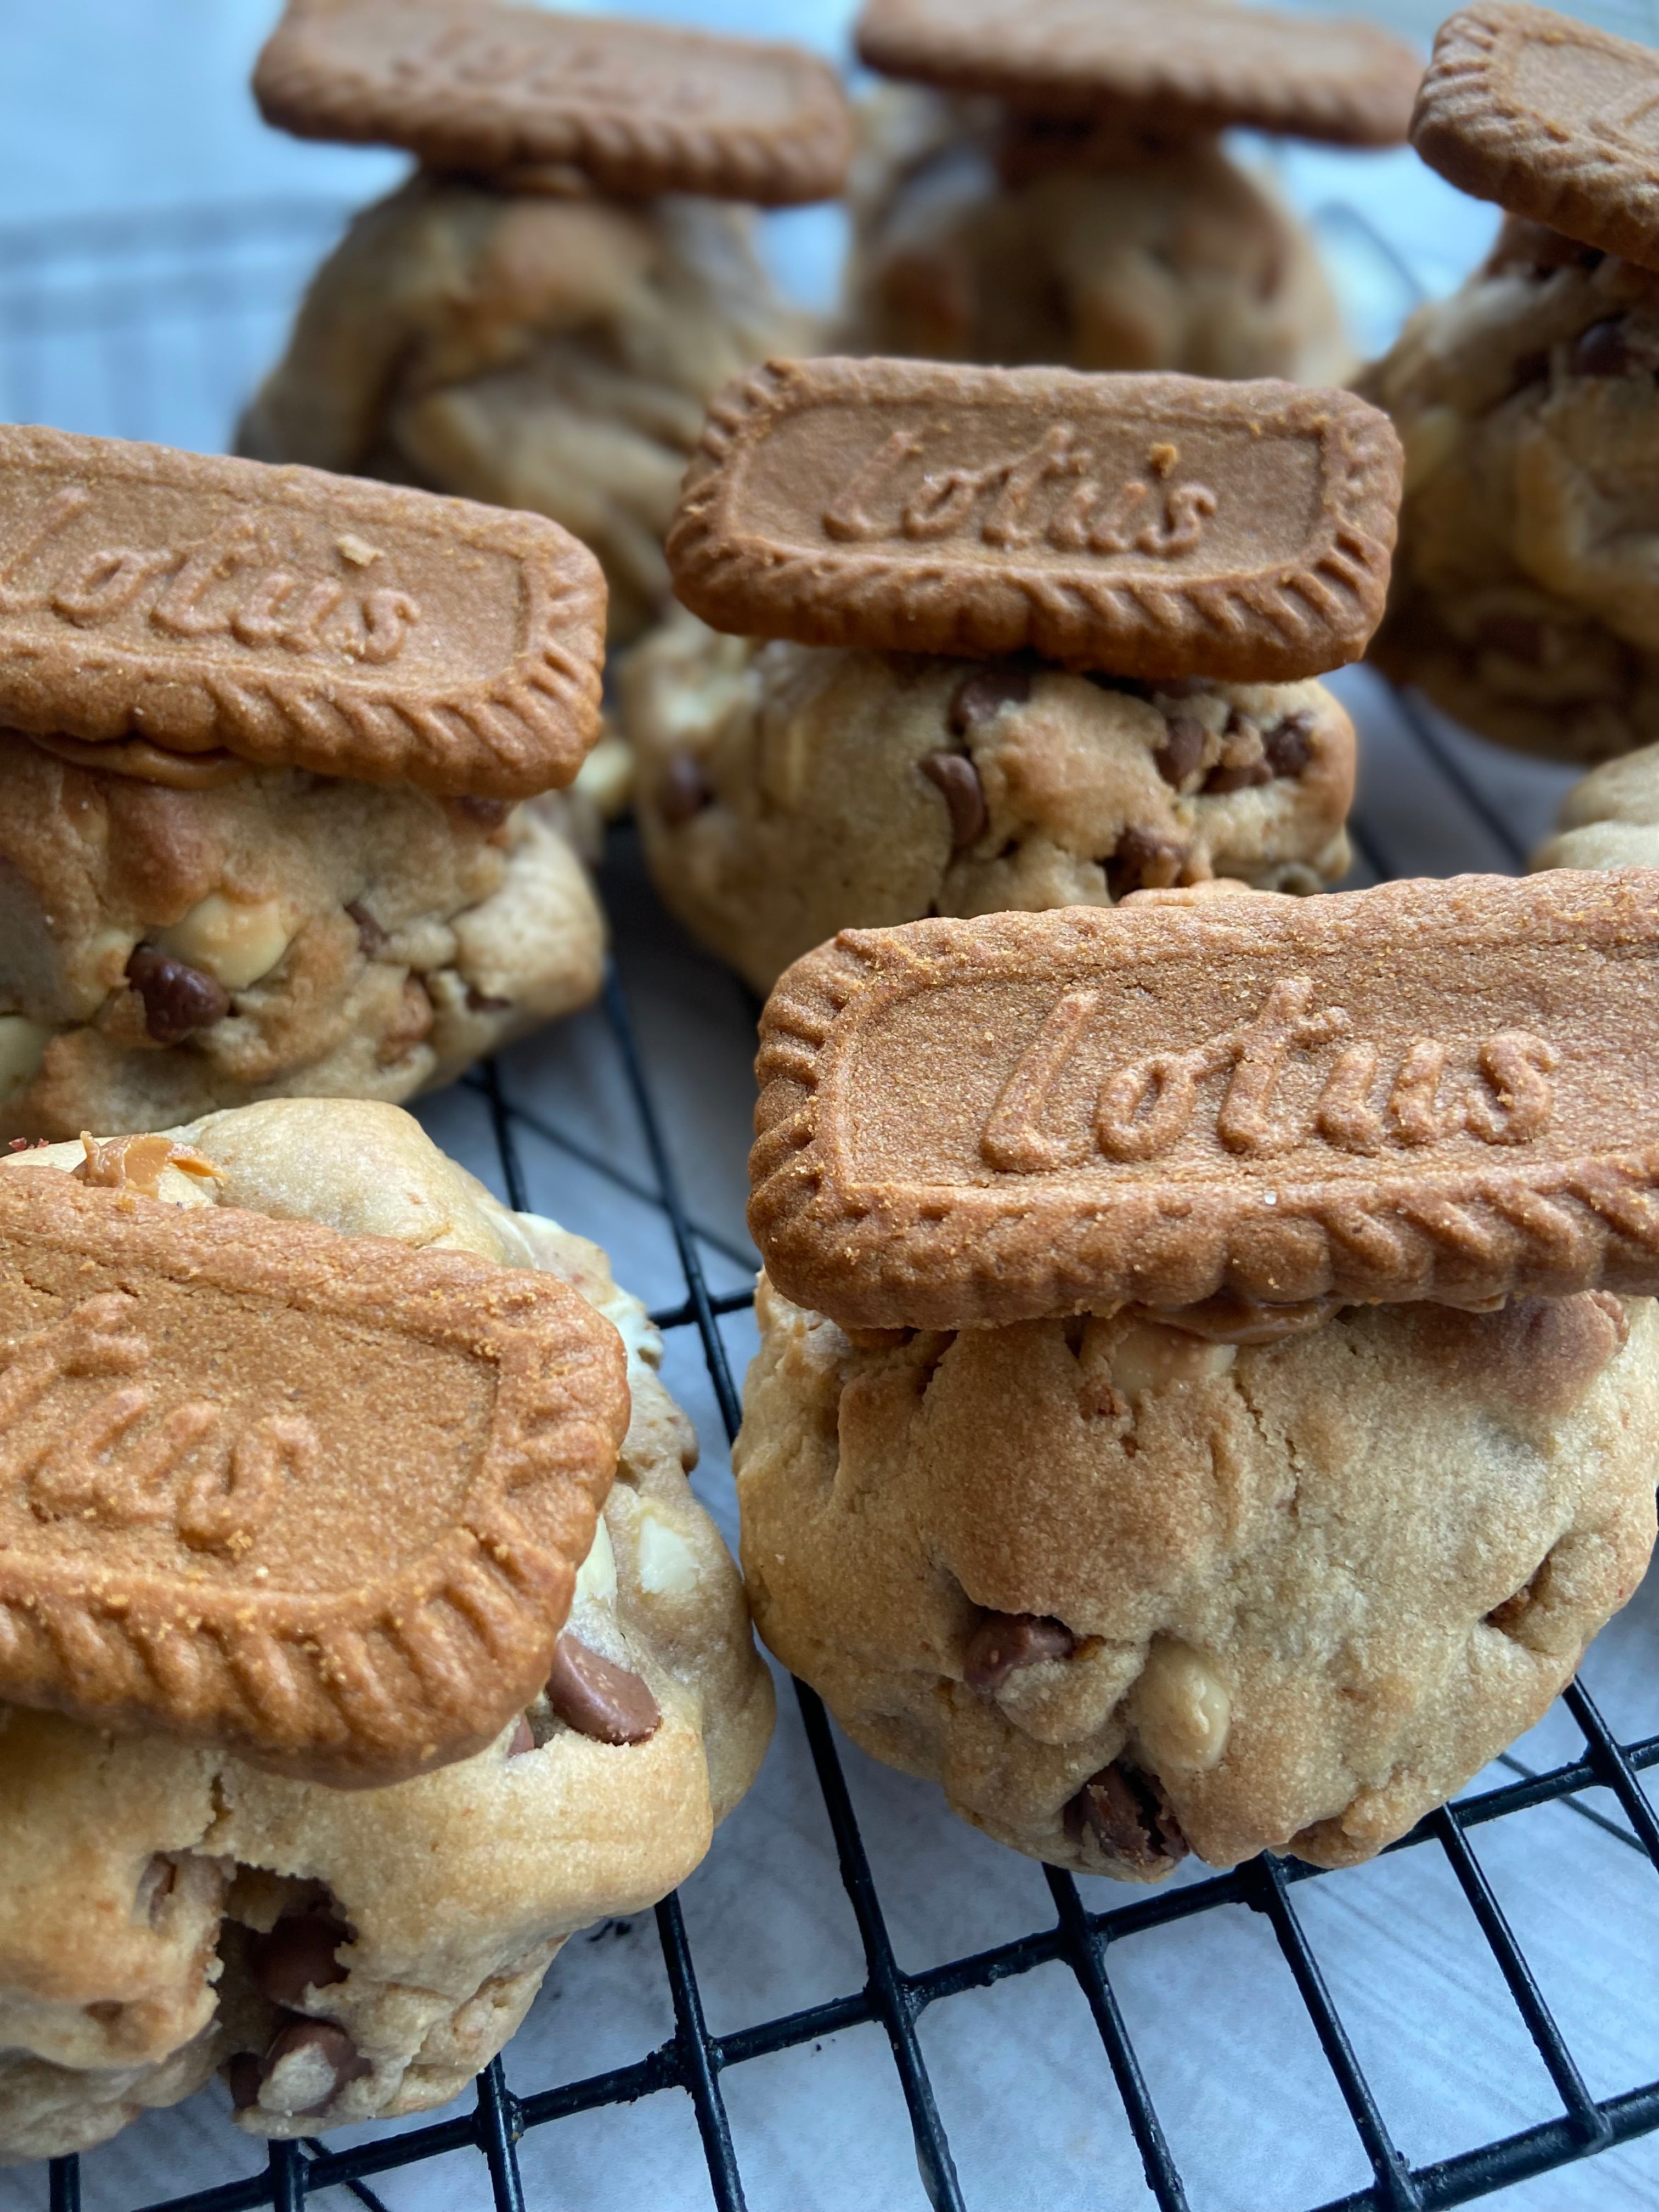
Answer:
(78, 285)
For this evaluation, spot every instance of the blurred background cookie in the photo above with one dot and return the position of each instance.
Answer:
(539, 315)
(1524, 600)
(1051, 185)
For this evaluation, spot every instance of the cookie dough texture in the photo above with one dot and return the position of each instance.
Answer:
(786, 792)
(549, 351)
(137, 1875)
(1096, 249)
(1309, 1587)
(1523, 599)
(1610, 819)
(345, 938)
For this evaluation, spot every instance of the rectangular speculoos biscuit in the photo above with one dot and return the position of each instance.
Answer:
(298, 619)
(1551, 117)
(1432, 1090)
(1152, 526)
(640, 107)
(318, 1500)
(1194, 64)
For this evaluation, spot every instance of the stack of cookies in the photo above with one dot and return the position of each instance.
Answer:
(1208, 1393)
(540, 314)
(1525, 600)
(1061, 193)
(1003, 639)
(278, 765)
(360, 1638)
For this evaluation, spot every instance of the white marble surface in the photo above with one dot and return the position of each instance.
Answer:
(106, 106)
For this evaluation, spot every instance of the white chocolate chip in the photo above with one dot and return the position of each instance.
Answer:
(1149, 1357)
(667, 1568)
(1182, 1708)
(235, 942)
(596, 1578)
(23, 1048)
(357, 549)
(606, 777)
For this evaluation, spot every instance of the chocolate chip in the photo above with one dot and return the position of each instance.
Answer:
(1004, 1641)
(1518, 637)
(1603, 349)
(177, 999)
(297, 1955)
(1128, 1816)
(1144, 862)
(1531, 368)
(1240, 777)
(1182, 749)
(371, 938)
(523, 1738)
(683, 789)
(981, 696)
(307, 2065)
(955, 774)
(242, 2078)
(491, 813)
(598, 1699)
(1288, 744)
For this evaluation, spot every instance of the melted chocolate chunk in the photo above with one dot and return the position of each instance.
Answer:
(1603, 349)
(1182, 749)
(1004, 1641)
(313, 2059)
(1288, 745)
(955, 776)
(981, 696)
(1144, 862)
(371, 939)
(298, 1955)
(1242, 777)
(179, 1000)
(598, 1699)
(1128, 1816)
(683, 790)
(491, 813)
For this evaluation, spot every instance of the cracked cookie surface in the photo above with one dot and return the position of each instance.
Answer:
(346, 1955)
(1125, 1588)
(785, 792)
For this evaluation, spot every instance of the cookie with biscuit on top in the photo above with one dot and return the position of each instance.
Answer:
(1050, 183)
(1208, 1383)
(989, 638)
(538, 316)
(1523, 601)
(359, 1636)
(286, 770)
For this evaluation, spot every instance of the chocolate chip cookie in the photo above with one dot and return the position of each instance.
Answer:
(784, 791)
(1523, 600)
(345, 1954)
(184, 938)
(1134, 1583)
(1108, 245)
(549, 351)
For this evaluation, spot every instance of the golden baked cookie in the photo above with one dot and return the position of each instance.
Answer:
(1266, 1581)
(1522, 600)
(164, 952)
(1610, 819)
(347, 1954)
(785, 792)
(1115, 247)
(549, 350)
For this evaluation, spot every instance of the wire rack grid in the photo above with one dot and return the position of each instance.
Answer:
(240, 266)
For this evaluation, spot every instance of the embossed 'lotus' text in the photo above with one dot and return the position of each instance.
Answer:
(1366, 1103)
(227, 584)
(1051, 494)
